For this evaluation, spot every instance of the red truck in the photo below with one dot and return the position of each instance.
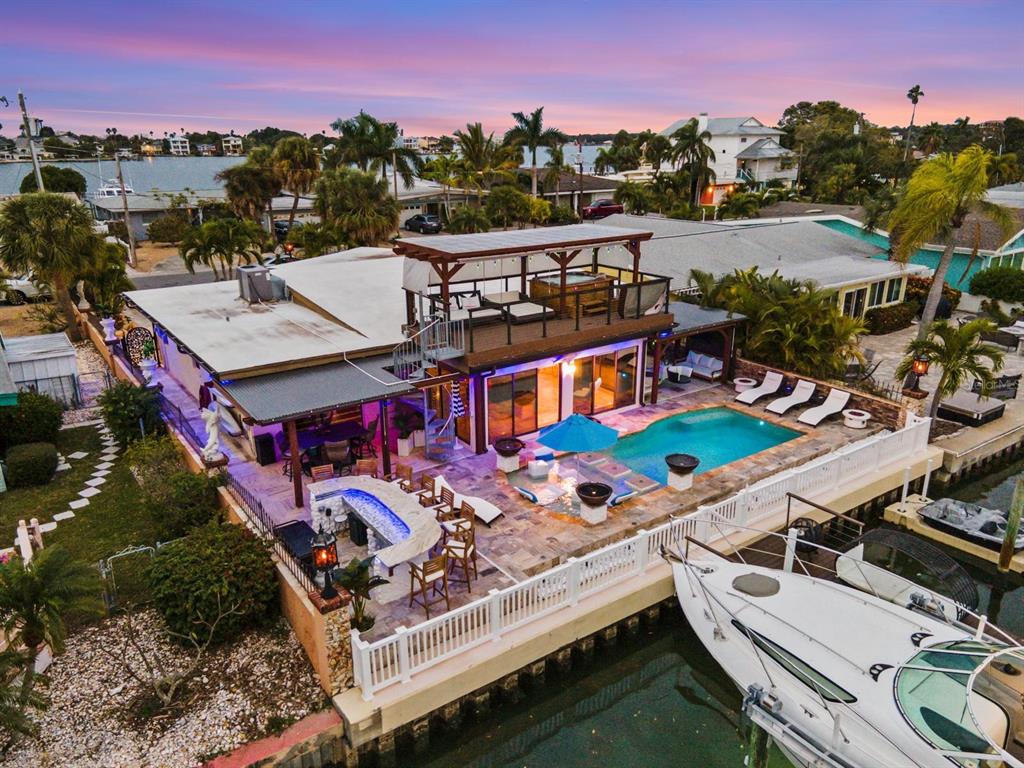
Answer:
(601, 208)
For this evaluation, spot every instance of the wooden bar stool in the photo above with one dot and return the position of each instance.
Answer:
(322, 472)
(366, 467)
(402, 477)
(454, 522)
(447, 503)
(429, 579)
(461, 553)
(426, 493)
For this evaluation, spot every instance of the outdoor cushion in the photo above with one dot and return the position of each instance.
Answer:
(619, 498)
(526, 494)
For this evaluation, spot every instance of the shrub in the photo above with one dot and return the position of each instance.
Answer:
(35, 419)
(562, 214)
(152, 460)
(131, 412)
(466, 219)
(31, 464)
(1003, 283)
(894, 317)
(191, 501)
(218, 567)
(917, 292)
(169, 228)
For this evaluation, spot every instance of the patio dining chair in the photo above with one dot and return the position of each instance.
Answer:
(322, 472)
(428, 491)
(402, 477)
(366, 467)
(456, 522)
(429, 579)
(460, 550)
(340, 455)
(362, 444)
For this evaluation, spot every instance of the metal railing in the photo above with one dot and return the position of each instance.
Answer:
(397, 657)
(173, 415)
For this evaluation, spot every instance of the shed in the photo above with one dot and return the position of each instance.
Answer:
(45, 364)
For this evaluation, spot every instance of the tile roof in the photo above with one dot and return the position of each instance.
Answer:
(729, 126)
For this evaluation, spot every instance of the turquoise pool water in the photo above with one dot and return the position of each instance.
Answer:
(955, 277)
(716, 436)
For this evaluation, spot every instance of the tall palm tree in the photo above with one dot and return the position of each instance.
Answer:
(358, 205)
(297, 164)
(529, 132)
(485, 160)
(50, 237)
(443, 169)
(372, 146)
(657, 149)
(958, 351)
(914, 94)
(250, 188)
(938, 199)
(554, 167)
(692, 152)
(34, 600)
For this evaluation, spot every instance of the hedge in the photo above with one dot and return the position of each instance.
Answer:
(131, 412)
(917, 292)
(1003, 283)
(31, 464)
(35, 419)
(168, 228)
(894, 317)
(217, 567)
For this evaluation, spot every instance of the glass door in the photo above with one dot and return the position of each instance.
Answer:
(604, 383)
(499, 407)
(549, 395)
(583, 386)
(625, 378)
(524, 409)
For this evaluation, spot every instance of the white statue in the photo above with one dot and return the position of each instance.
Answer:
(211, 418)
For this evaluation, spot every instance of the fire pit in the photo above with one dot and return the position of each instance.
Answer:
(508, 449)
(680, 470)
(594, 494)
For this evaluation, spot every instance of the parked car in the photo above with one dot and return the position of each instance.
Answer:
(601, 208)
(282, 228)
(18, 290)
(425, 223)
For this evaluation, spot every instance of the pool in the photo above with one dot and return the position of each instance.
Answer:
(955, 277)
(716, 436)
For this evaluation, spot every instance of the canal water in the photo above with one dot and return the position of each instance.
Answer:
(660, 699)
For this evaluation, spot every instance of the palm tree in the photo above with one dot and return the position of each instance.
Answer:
(692, 152)
(740, 205)
(372, 145)
(657, 149)
(219, 242)
(357, 205)
(35, 598)
(529, 132)
(555, 167)
(1004, 169)
(297, 164)
(931, 138)
(958, 351)
(939, 196)
(50, 237)
(250, 188)
(443, 169)
(468, 219)
(634, 197)
(914, 94)
(485, 160)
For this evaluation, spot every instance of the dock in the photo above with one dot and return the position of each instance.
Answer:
(904, 515)
(972, 451)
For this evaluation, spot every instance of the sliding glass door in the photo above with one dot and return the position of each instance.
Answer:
(523, 402)
(604, 382)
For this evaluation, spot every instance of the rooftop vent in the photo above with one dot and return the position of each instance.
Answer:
(254, 284)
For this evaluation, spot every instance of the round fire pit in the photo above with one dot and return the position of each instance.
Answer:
(594, 494)
(681, 463)
(508, 446)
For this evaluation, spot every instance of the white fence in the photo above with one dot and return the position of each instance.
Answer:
(408, 651)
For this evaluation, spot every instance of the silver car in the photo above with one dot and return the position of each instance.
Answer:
(18, 290)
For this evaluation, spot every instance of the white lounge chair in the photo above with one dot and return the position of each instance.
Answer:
(802, 392)
(834, 403)
(485, 511)
(769, 386)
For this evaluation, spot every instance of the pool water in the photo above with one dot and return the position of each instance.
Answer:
(716, 436)
(955, 277)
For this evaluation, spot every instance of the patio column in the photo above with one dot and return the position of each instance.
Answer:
(385, 457)
(522, 274)
(446, 271)
(657, 368)
(410, 308)
(479, 414)
(633, 246)
(728, 335)
(293, 447)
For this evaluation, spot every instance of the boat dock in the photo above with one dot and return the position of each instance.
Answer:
(972, 451)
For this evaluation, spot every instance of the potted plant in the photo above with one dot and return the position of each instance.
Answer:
(357, 579)
(407, 422)
(148, 361)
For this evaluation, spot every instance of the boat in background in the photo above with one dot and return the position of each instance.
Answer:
(969, 521)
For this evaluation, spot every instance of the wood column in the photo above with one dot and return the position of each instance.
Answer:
(410, 308)
(385, 449)
(446, 270)
(633, 246)
(293, 447)
(522, 274)
(479, 414)
(657, 369)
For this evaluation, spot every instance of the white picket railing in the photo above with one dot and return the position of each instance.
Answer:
(397, 657)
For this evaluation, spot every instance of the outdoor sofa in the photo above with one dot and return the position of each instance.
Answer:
(702, 366)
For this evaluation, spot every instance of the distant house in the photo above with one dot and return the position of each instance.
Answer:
(746, 152)
(232, 146)
(179, 146)
(571, 185)
(206, 150)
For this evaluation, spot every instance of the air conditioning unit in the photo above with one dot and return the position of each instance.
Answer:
(254, 284)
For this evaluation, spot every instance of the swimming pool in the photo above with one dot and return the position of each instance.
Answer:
(955, 277)
(716, 436)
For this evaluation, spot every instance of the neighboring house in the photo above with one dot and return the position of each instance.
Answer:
(569, 187)
(179, 146)
(206, 150)
(232, 146)
(798, 250)
(746, 152)
(44, 363)
(1010, 195)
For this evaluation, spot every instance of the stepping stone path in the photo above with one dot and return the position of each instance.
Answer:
(105, 462)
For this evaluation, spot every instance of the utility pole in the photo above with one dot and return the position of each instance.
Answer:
(579, 161)
(31, 143)
(132, 260)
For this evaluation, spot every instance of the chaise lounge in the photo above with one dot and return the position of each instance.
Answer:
(802, 392)
(768, 386)
(834, 403)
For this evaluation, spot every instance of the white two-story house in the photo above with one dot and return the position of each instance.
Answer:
(746, 152)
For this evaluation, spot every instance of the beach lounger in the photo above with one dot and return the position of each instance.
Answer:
(769, 386)
(802, 392)
(484, 510)
(528, 311)
(834, 403)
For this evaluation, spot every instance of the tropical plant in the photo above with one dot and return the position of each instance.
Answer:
(14, 720)
(540, 211)
(657, 150)
(170, 227)
(55, 179)
(372, 146)
(35, 418)
(1003, 283)
(36, 597)
(507, 205)
(740, 205)
(958, 351)
(692, 152)
(467, 219)
(529, 132)
(914, 94)
(357, 205)
(105, 279)
(931, 138)
(317, 239)
(669, 190)
(890, 318)
(554, 167)
(219, 243)
(635, 198)
(484, 160)
(563, 214)
(940, 195)
(251, 187)
(131, 412)
(50, 237)
(443, 169)
(1004, 169)
(296, 163)
(359, 581)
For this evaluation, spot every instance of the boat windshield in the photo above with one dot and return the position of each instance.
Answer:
(932, 693)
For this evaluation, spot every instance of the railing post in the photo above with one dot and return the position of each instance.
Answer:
(573, 577)
(578, 310)
(787, 562)
(642, 555)
(495, 614)
(927, 478)
(906, 485)
(404, 671)
(361, 661)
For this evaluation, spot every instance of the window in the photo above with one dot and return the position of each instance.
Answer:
(743, 140)
(895, 286)
(799, 669)
(877, 291)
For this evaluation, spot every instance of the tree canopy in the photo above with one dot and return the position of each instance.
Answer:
(56, 179)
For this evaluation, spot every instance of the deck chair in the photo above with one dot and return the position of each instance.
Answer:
(802, 392)
(834, 403)
(768, 386)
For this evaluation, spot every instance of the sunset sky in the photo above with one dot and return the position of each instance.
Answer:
(433, 66)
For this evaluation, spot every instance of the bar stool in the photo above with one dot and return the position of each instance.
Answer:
(428, 579)
(461, 553)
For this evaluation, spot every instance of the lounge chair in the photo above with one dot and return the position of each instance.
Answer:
(484, 510)
(802, 392)
(834, 403)
(768, 386)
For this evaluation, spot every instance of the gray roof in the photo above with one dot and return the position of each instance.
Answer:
(290, 394)
(729, 126)
(41, 346)
(524, 241)
(7, 386)
(691, 318)
(764, 149)
(1010, 195)
(799, 249)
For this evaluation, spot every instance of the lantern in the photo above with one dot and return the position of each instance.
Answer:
(325, 559)
(920, 365)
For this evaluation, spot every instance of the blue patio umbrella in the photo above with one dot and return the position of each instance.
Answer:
(577, 434)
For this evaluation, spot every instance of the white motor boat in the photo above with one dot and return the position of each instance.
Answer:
(841, 678)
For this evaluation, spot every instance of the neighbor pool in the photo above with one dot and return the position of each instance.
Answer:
(716, 436)
(955, 277)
